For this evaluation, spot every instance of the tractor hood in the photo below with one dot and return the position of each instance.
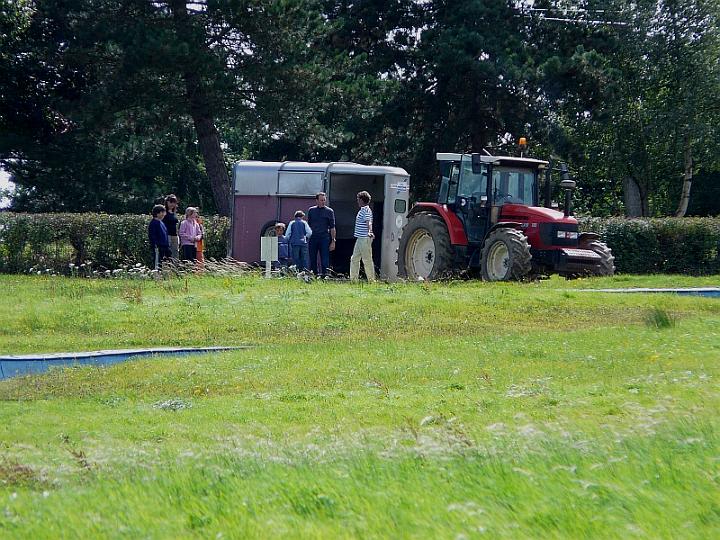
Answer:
(533, 214)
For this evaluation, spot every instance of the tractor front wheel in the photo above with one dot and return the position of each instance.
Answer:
(425, 252)
(506, 255)
(607, 261)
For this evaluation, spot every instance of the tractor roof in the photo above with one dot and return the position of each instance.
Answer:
(501, 160)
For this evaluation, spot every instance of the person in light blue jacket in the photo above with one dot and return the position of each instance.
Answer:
(298, 233)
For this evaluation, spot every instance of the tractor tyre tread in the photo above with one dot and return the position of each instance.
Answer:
(444, 253)
(607, 263)
(518, 250)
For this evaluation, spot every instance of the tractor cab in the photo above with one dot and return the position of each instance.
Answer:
(475, 187)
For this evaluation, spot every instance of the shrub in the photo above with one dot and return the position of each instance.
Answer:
(660, 245)
(54, 241)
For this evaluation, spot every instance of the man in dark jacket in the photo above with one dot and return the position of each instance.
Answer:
(321, 219)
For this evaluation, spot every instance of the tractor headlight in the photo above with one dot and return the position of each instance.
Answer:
(567, 235)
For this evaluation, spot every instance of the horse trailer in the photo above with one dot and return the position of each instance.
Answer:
(269, 192)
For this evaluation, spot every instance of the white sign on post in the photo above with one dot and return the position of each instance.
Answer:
(268, 252)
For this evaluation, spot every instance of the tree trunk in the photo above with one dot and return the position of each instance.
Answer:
(209, 142)
(633, 200)
(687, 181)
(202, 114)
(644, 200)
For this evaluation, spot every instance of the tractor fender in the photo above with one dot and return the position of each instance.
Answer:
(587, 237)
(455, 228)
(506, 225)
(503, 225)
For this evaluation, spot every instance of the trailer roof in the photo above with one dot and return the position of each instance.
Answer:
(510, 160)
(261, 177)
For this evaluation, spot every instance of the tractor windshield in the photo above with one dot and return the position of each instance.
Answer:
(516, 186)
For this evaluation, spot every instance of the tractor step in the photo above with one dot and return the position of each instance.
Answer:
(584, 254)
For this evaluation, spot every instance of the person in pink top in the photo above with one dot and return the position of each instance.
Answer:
(190, 234)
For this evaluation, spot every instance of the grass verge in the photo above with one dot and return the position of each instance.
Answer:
(435, 410)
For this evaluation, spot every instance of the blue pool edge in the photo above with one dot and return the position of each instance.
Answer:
(32, 364)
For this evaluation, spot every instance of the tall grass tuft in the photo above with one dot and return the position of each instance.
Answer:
(660, 318)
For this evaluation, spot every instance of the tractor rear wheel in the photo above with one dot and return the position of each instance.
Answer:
(425, 252)
(607, 261)
(506, 255)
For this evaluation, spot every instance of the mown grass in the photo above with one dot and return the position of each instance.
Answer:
(406, 410)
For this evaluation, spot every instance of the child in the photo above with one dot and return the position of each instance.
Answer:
(200, 244)
(158, 236)
(297, 234)
(283, 247)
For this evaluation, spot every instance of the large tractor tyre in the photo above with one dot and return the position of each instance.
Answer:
(506, 255)
(425, 252)
(607, 261)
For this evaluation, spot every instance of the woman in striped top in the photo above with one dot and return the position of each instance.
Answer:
(363, 240)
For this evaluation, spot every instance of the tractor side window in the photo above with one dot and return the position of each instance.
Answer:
(444, 181)
(454, 182)
(471, 184)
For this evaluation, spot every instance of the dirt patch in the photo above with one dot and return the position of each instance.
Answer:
(13, 473)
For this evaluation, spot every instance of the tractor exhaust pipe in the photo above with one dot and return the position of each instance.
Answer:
(568, 184)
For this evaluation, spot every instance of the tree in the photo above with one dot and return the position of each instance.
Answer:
(103, 63)
(654, 75)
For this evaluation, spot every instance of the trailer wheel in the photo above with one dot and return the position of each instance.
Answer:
(268, 229)
(607, 261)
(425, 252)
(506, 255)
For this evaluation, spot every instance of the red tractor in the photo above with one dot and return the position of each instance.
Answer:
(487, 218)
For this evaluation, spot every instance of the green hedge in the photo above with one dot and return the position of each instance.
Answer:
(54, 241)
(664, 245)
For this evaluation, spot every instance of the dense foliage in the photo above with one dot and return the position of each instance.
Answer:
(105, 104)
(83, 243)
(668, 245)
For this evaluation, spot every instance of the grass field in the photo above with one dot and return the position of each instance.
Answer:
(455, 410)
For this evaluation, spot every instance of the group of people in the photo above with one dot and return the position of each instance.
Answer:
(313, 236)
(168, 241)
(307, 238)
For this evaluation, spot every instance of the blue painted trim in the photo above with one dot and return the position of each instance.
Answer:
(710, 292)
(27, 364)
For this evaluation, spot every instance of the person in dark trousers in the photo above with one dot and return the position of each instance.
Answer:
(297, 234)
(171, 224)
(158, 236)
(321, 219)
